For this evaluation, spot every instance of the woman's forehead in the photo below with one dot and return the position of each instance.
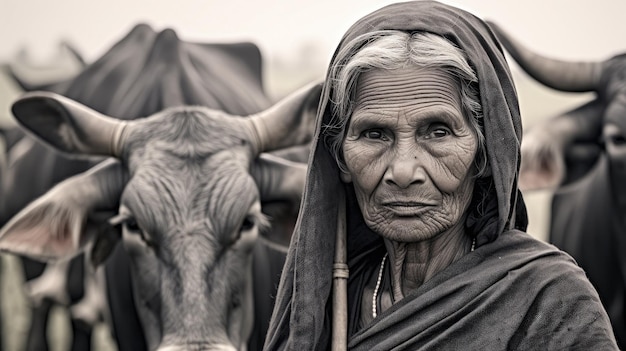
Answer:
(414, 88)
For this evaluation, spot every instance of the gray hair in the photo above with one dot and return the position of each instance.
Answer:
(392, 49)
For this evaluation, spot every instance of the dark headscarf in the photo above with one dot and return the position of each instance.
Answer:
(502, 121)
(301, 318)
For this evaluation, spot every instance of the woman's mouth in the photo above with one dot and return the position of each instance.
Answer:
(407, 208)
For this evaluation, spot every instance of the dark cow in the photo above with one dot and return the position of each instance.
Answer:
(582, 153)
(21, 74)
(17, 74)
(187, 182)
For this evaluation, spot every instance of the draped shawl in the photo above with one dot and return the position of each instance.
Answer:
(511, 292)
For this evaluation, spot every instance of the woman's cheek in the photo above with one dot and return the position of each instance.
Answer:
(363, 162)
(452, 171)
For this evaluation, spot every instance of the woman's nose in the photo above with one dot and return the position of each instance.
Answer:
(405, 170)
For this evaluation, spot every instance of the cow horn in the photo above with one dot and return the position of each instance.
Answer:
(557, 74)
(279, 179)
(68, 125)
(288, 123)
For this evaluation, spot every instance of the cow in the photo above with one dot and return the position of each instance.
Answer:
(16, 74)
(581, 155)
(183, 186)
(20, 74)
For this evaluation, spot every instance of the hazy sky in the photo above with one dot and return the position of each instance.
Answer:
(569, 29)
(566, 29)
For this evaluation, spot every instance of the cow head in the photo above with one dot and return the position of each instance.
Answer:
(563, 148)
(186, 185)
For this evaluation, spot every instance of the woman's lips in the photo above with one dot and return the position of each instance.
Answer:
(408, 208)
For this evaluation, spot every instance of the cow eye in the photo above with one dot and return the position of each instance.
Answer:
(248, 223)
(131, 225)
(618, 139)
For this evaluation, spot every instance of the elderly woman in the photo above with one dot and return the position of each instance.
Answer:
(416, 155)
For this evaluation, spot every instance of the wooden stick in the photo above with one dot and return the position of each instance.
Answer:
(340, 282)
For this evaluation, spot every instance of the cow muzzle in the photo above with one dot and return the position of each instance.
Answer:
(199, 347)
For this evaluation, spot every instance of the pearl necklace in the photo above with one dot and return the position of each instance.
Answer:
(380, 276)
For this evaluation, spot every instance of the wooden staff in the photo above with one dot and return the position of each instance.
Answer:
(340, 282)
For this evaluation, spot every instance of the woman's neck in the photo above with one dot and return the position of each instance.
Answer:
(412, 264)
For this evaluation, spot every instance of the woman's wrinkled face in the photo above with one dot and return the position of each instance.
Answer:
(409, 152)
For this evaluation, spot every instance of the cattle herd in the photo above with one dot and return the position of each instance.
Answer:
(155, 189)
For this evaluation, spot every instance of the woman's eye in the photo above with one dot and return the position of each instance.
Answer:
(438, 132)
(374, 134)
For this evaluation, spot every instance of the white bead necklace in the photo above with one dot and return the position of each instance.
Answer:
(380, 276)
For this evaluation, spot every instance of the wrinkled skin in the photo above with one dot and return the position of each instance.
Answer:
(409, 153)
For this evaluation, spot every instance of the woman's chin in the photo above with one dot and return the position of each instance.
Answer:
(405, 229)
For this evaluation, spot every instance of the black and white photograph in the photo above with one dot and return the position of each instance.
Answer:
(275, 175)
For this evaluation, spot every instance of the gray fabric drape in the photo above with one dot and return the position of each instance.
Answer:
(510, 286)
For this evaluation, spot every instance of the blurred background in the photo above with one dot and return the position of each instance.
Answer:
(297, 39)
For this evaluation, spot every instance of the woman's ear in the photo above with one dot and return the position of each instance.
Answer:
(345, 176)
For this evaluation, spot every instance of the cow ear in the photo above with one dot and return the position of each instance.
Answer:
(279, 179)
(63, 221)
(546, 144)
(543, 165)
(281, 185)
(45, 230)
(68, 125)
(288, 123)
